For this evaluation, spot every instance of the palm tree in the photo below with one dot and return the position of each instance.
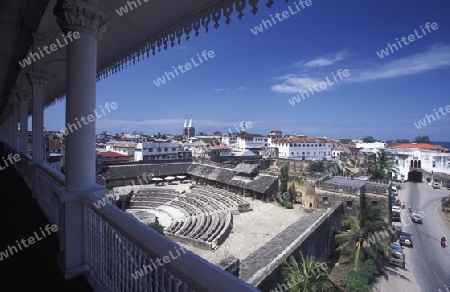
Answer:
(382, 165)
(361, 240)
(310, 276)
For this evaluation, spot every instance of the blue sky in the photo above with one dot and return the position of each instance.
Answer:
(252, 77)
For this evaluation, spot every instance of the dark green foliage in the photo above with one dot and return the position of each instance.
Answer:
(361, 281)
(157, 227)
(109, 185)
(422, 139)
(283, 177)
(368, 139)
(287, 204)
(318, 166)
(402, 141)
(382, 165)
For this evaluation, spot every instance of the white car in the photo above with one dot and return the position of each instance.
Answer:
(436, 185)
(397, 257)
(396, 208)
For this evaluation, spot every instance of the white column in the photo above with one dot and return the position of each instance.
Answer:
(23, 135)
(88, 23)
(38, 81)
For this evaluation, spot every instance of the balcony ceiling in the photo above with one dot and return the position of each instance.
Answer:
(151, 27)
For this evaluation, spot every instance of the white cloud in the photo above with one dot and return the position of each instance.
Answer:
(436, 57)
(241, 88)
(295, 84)
(221, 89)
(326, 60)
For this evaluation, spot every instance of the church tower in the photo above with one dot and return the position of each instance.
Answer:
(191, 129)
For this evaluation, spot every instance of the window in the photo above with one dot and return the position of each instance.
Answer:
(434, 163)
(158, 149)
(174, 149)
(325, 200)
(349, 204)
(374, 202)
(150, 149)
(166, 149)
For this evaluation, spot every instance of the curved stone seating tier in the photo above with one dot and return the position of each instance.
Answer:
(207, 213)
(203, 230)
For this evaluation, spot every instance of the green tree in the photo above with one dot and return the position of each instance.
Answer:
(317, 166)
(310, 276)
(368, 139)
(382, 165)
(284, 177)
(361, 239)
(157, 227)
(422, 139)
(402, 141)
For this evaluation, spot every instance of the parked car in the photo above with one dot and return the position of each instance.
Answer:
(405, 240)
(396, 216)
(396, 256)
(398, 229)
(416, 218)
(396, 208)
(436, 185)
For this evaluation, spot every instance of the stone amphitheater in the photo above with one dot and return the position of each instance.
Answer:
(201, 216)
(211, 222)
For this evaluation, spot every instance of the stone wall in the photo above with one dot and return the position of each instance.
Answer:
(317, 241)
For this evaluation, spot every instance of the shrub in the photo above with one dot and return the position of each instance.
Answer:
(157, 227)
(287, 204)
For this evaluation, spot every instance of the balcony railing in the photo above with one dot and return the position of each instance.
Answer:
(123, 254)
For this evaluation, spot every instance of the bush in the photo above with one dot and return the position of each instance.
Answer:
(361, 281)
(287, 204)
(157, 227)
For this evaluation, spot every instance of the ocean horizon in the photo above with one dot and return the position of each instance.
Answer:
(443, 144)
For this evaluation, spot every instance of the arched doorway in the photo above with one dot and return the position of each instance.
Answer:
(415, 176)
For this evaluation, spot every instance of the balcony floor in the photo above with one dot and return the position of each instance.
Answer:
(33, 266)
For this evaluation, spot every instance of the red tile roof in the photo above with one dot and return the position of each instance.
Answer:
(425, 146)
(220, 147)
(107, 154)
(302, 140)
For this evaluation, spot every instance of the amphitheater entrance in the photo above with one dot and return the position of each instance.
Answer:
(415, 176)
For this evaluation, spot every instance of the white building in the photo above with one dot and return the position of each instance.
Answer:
(126, 148)
(422, 157)
(304, 148)
(336, 152)
(372, 146)
(229, 140)
(157, 150)
(251, 141)
(134, 138)
(197, 149)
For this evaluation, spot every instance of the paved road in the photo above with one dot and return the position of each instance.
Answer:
(427, 263)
